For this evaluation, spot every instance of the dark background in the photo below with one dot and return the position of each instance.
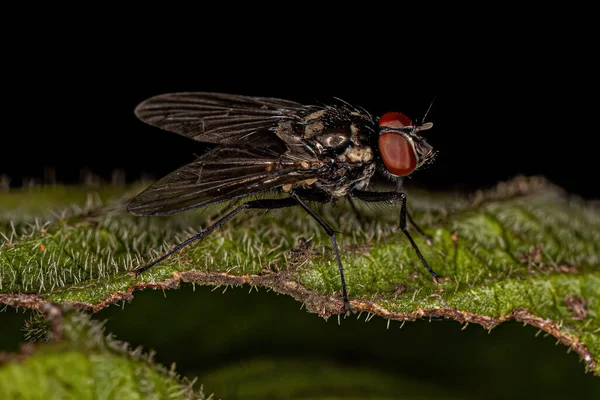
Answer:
(501, 109)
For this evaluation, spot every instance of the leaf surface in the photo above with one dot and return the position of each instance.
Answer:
(523, 251)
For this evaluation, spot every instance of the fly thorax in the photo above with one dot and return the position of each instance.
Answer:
(362, 182)
(357, 151)
(313, 124)
(334, 141)
(343, 145)
(355, 155)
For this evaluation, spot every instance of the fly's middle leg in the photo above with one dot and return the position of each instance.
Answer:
(331, 233)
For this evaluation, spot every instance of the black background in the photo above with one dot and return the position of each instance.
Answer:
(501, 109)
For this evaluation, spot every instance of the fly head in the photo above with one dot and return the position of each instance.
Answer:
(401, 147)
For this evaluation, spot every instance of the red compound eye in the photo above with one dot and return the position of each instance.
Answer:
(394, 120)
(397, 153)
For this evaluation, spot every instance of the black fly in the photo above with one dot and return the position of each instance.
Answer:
(307, 153)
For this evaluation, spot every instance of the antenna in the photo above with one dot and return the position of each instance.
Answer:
(427, 112)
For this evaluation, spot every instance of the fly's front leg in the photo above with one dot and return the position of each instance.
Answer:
(363, 221)
(425, 236)
(376, 197)
(428, 239)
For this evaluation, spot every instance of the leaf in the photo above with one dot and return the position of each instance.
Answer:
(523, 251)
(292, 379)
(87, 364)
(217, 329)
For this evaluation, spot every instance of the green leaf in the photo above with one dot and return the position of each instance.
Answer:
(86, 364)
(220, 328)
(293, 379)
(524, 251)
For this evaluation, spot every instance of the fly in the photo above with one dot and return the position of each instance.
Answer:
(306, 153)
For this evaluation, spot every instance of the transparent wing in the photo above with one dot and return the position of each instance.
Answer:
(222, 174)
(217, 117)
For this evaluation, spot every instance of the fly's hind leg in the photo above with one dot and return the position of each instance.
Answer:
(254, 204)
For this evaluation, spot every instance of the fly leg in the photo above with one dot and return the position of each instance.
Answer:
(363, 221)
(255, 204)
(428, 239)
(425, 236)
(373, 197)
(331, 234)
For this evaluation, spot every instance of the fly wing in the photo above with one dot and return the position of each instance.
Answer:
(222, 174)
(217, 117)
